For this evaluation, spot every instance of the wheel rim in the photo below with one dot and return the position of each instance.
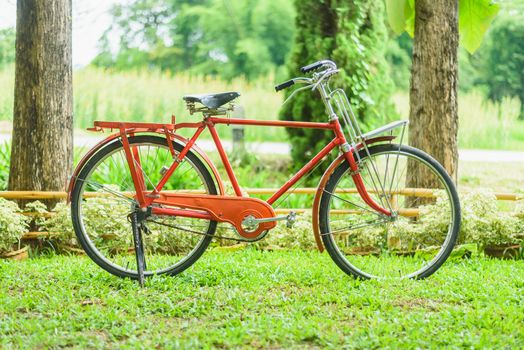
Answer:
(372, 246)
(107, 233)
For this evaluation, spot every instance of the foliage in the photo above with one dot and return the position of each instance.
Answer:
(228, 39)
(60, 225)
(110, 231)
(5, 160)
(13, 225)
(352, 34)
(300, 236)
(7, 47)
(483, 223)
(475, 16)
(500, 64)
(154, 96)
(483, 124)
(398, 54)
(255, 299)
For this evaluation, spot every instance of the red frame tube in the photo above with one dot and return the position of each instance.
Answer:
(306, 168)
(225, 159)
(277, 123)
(210, 124)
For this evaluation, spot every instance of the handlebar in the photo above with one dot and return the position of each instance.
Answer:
(330, 65)
(317, 65)
(284, 85)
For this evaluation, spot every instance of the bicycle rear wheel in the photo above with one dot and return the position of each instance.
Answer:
(412, 244)
(102, 199)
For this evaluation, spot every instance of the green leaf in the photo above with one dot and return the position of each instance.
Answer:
(401, 16)
(409, 13)
(397, 15)
(475, 16)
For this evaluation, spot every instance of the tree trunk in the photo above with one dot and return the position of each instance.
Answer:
(433, 94)
(42, 142)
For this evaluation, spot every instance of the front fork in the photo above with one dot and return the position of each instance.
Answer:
(359, 183)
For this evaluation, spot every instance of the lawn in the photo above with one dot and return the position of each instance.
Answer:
(257, 299)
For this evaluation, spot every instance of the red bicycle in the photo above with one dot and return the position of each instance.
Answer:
(381, 210)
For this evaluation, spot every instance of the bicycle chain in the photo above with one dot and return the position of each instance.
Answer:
(207, 234)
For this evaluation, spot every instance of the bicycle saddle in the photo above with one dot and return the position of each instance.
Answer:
(212, 101)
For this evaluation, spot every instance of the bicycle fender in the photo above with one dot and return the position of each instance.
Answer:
(324, 180)
(116, 136)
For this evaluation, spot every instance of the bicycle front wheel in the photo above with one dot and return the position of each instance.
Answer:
(103, 198)
(416, 240)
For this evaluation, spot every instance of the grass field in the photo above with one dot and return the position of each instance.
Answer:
(256, 299)
(153, 97)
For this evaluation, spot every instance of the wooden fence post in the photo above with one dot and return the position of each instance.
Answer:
(238, 152)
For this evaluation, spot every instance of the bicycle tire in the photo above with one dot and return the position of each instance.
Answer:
(363, 261)
(87, 239)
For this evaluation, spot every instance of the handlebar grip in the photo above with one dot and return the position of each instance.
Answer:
(284, 85)
(311, 67)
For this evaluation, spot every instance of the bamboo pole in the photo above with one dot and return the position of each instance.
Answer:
(411, 192)
(33, 235)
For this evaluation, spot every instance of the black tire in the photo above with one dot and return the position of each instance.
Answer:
(91, 241)
(416, 240)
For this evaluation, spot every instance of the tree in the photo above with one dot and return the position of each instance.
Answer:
(246, 37)
(433, 92)
(351, 33)
(501, 61)
(434, 73)
(216, 37)
(41, 154)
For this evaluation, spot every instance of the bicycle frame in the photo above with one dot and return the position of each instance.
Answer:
(214, 207)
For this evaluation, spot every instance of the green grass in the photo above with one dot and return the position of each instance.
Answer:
(155, 96)
(254, 299)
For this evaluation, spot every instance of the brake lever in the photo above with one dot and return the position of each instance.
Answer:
(295, 92)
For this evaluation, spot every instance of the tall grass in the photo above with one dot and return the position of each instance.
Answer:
(154, 96)
(482, 124)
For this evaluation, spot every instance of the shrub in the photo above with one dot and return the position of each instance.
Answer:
(112, 232)
(482, 223)
(13, 225)
(353, 35)
(300, 236)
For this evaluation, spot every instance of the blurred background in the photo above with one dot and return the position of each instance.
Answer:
(135, 59)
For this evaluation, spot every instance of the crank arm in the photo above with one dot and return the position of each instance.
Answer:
(291, 217)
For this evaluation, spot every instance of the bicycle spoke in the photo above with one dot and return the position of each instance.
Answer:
(353, 204)
(104, 188)
(362, 225)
